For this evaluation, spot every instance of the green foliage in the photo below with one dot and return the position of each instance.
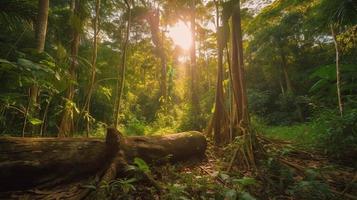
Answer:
(135, 127)
(141, 164)
(35, 121)
(275, 109)
(337, 135)
(311, 188)
(304, 135)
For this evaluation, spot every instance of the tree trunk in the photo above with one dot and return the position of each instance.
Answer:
(86, 107)
(121, 77)
(289, 86)
(245, 153)
(194, 81)
(27, 163)
(220, 118)
(338, 78)
(66, 124)
(153, 19)
(237, 71)
(40, 34)
(284, 66)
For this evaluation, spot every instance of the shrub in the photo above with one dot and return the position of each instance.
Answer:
(338, 135)
(135, 127)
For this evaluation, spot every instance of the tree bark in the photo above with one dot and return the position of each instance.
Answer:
(220, 118)
(246, 152)
(338, 78)
(237, 70)
(27, 163)
(66, 124)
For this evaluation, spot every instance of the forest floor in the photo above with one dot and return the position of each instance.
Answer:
(287, 173)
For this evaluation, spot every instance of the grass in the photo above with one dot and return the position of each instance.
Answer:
(303, 135)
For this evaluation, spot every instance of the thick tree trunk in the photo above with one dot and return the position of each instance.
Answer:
(237, 71)
(27, 163)
(245, 153)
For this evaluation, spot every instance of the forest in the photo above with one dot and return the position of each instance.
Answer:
(178, 99)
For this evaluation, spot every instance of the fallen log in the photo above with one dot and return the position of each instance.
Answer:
(27, 163)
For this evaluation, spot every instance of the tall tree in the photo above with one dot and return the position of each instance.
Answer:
(152, 16)
(40, 36)
(121, 70)
(246, 150)
(194, 87)
(87, 102)
(220, 119)
(339, 14)
(240, 119)
(66, 124)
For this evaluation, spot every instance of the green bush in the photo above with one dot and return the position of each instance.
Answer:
(310, 188)
(135, 127)
(338, 135)
(277, 109)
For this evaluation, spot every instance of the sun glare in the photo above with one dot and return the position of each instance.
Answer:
(180, 33)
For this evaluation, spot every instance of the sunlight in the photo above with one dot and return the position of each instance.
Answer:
(180, 33)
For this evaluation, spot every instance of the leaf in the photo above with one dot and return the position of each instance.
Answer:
(92, 187)
(327, 72)
(35, 121)
(141, 164)
(246, 196)
(230, 195)
(106, 91)
(224, 176)
(245, 181)
(318, 85)
(57, 75)
(28, 64)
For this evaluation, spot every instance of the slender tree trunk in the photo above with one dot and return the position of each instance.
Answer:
(289, 87)
(194, 88)
(121, 77)
(338, 78)
(26, 114)
(220, 118)
(42, 129)
(154, 23)
(40, 34)
(41, 28)
(281, 84)
(66, 124)
(86, 107)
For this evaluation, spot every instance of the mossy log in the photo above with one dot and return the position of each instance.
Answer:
(27, 163)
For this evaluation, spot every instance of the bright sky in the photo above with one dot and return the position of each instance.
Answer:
(180, 33)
